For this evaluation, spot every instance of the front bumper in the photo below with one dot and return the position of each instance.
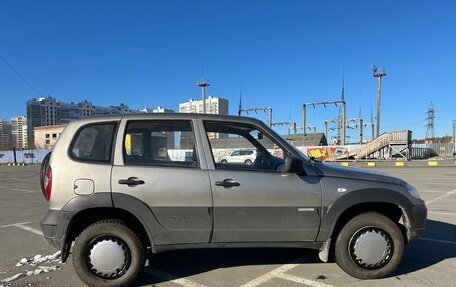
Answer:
(417, 221)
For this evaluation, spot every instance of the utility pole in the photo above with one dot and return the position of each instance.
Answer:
(326, 129)
(203, 84)
(344, 116)
(342, 98)
(360, 126)
(378, 73)
(430, 134)
(240, 103)
(454, 136)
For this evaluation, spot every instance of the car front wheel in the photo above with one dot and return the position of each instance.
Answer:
(369, 246)
(108, 253)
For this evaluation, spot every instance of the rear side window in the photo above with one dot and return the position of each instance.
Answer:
(94, 143)
(160, 142)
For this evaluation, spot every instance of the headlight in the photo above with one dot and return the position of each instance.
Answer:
(413, 192)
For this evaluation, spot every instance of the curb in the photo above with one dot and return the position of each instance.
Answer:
(17, 164)
(449, 163)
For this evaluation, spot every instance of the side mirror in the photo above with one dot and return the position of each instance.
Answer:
(294, 165)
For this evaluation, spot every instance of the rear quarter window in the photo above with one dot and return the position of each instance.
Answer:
(93, 143)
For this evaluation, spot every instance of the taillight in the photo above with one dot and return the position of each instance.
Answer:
(48, 183)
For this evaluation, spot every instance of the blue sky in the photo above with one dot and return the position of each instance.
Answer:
(282, 54)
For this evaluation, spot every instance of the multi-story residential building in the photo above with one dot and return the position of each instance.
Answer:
(19, 132)
(5, 135)
(214, 105)
(50, 111)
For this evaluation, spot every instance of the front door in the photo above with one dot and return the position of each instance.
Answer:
(259, 202)
(161, 168)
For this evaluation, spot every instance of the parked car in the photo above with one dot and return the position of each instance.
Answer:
(120, 187)
(246, 157)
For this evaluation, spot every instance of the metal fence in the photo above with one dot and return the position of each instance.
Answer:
(24, 156)
(418, 151)
(441, 149)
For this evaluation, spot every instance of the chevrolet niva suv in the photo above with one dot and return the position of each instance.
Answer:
(123, 186)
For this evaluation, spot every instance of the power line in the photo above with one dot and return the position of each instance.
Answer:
(20, 76)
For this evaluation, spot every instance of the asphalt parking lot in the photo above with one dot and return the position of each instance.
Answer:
(429, 261)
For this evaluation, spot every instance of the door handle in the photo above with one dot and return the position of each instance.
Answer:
(228, 182)
(131, 181)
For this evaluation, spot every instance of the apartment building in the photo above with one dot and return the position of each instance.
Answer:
(19, 132)
(50, 111)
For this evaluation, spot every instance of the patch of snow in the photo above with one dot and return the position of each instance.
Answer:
(34, 261)
(14, 277)
(39, 259)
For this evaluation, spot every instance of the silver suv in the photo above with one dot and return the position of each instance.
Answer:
(246, 157)
(121, 187)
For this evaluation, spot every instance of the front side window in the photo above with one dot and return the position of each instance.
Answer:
(94, 143)
(160, 142)
(242, 146)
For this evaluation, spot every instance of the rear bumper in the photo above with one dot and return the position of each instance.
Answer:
(54, 226)
(417, 217)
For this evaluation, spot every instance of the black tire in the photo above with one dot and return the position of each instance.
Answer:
(374, 223)
(119, 232)
(223, 161)
(43, 168)
(248, 162)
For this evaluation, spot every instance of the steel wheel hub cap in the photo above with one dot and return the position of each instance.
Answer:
(371, 248)
(108, 258)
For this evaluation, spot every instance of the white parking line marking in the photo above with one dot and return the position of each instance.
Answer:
(17, 189)
(437, 240)
(23, 179)
(433, 191)
(302, 280)
(13, 224)
(25, 227)
(443, 213)
(172, 278)
(441, 197)
(280, 272)
(268, 276)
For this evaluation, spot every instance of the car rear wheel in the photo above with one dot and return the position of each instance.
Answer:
(248, 162)
(43, 168)
(108, 253)
(223, 161)
(369, 246)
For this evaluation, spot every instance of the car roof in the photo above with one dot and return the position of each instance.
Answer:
(170, 116)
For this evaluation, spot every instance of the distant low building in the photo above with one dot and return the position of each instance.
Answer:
(46, 136)
(158, 109)
(161, 109)
(318, 139)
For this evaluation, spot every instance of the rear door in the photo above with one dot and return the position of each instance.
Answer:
(160, 166)
(259, 202)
